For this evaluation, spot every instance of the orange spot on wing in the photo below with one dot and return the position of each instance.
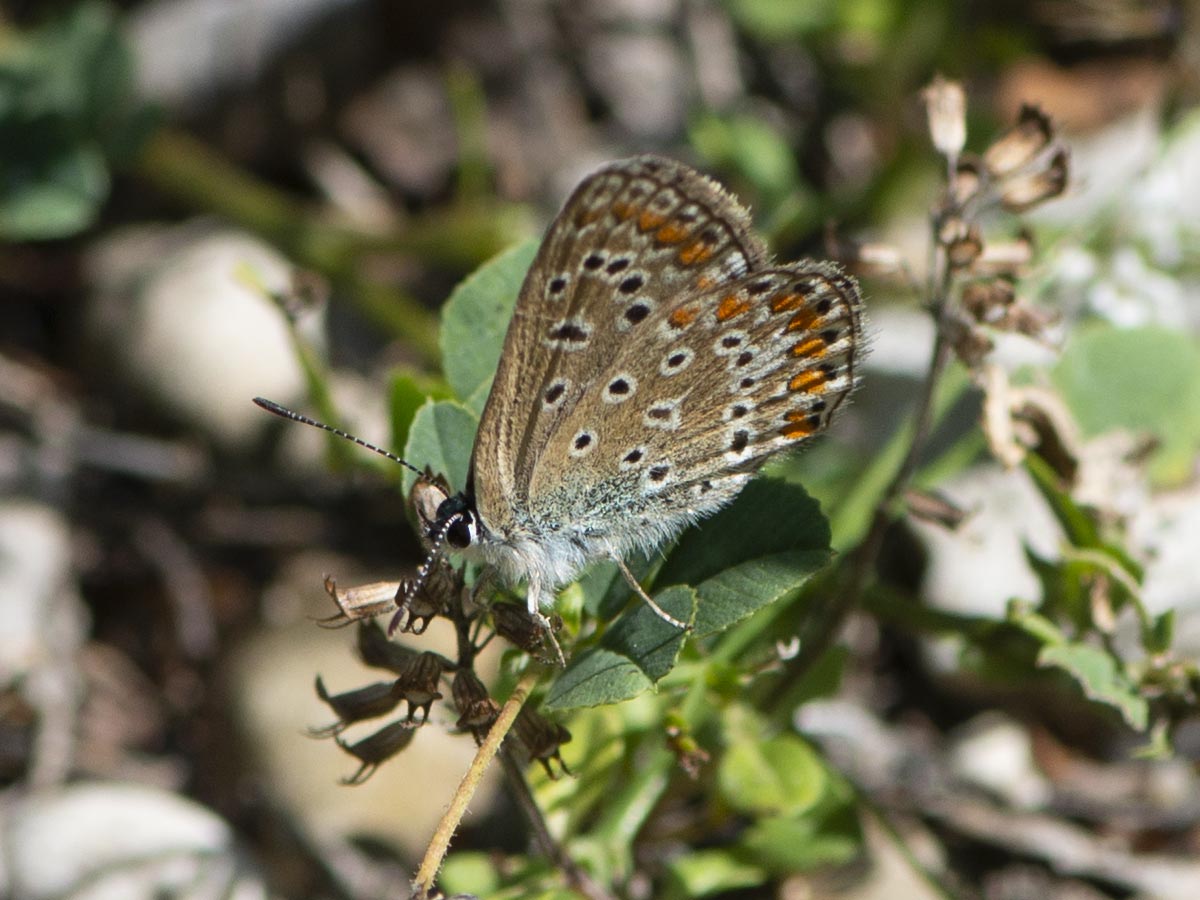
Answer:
(623, 210)
(787, 303)
(731, 306)
(800, 425)
(814, 346)
(703, 283)
(797, 431)
(649, 220)
(812, 381)
(670, 234)
(803, 320)
(682, 317)
(588, 216)
(695, 252)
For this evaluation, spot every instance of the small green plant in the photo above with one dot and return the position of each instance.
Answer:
(658, 719)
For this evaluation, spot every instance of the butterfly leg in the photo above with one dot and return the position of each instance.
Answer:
(647, 599)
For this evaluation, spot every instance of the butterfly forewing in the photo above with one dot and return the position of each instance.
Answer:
(633, 239)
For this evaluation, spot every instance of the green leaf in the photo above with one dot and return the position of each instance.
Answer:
(406, 395)
(1142, 380)
(780, 776)
(781, 20)
(764, 545)
(783, 845)
(737, 592)
(707, 872)
(467, 872)
(441, 437)
(749, 147)
(54, 196)
(606, 592)
(67, 107)
(638, 650)
(1161, 633)
(475, 319)
(1101, 679)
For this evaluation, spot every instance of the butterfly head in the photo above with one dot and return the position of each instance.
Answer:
(456, 522)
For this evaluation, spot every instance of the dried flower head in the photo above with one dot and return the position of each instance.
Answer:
(541, 738)
(513, 623)
(1020, 145)
(368, 702)
(1025, 191)
(376, 749)
(477, 710)
(946, 111)
(359, 603)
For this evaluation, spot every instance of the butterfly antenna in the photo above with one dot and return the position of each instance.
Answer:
(411, 587)
(284, 413)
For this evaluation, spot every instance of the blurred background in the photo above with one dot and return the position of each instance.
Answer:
(203, 201)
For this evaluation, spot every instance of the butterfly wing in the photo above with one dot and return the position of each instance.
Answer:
(691, 405)
(632, 236)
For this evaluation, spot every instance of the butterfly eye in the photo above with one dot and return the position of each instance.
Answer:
(460, 533)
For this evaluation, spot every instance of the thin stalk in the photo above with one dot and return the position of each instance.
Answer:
(195, 175)
(435, 855)
(577, 878)
(858, 566)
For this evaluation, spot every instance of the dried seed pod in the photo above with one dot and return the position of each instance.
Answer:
(376, 651)
(1005, 259)
(418, 683)
(1029, 320)
(477, 710)
(363, 602)
(927, 506)
(418, 600)
(966, 182)
(946, 111)
(516, 625)
(368, 702)
(428, 493)
(987, 300)
(541, 738)
(964, 249)
(376, 749)
(1023, 192)
(970, 343)
(1021, 144)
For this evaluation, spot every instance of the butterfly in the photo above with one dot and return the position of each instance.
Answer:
(655, 360)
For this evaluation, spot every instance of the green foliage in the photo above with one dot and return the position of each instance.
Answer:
(737, 565)
(440, 437)
(779, 776)
(1139, 379)
(757, 157)
(782, 20)
(474, 320)
(630, 659)
(644, 697)
(67, 112)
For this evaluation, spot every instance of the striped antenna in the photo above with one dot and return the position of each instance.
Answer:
(284, 413)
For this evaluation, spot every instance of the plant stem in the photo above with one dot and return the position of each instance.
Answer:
(185, 169)
(858, 566)
(577, 878)
(440, 843)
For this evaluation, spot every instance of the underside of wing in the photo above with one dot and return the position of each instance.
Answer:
(633, 240)
(705, 390)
